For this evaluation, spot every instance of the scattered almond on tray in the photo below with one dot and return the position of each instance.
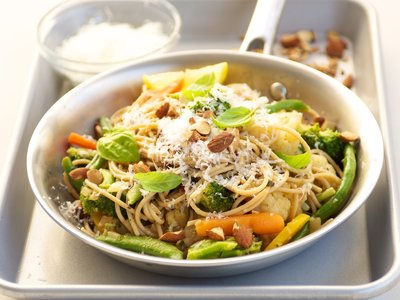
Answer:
(329, 54)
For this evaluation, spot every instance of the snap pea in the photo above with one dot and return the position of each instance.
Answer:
(288, 105)
(302, 233)
(325, 195)
(141, 244)
(105, 124)
(97, 162)
(108, 179)
(333, 205)
(67, 166)
(134, 195)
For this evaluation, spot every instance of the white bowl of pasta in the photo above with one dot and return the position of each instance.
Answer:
(197, 172)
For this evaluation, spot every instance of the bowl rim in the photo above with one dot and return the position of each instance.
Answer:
(289, 249)
(59, 9)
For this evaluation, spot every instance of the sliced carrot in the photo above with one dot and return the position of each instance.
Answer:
(260, 223)
(79, 140)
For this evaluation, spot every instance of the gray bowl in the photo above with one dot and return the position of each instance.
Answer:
(105, 93)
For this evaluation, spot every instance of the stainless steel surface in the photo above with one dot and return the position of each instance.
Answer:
(29, 266)
(262, 28)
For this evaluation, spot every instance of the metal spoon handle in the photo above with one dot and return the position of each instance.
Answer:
(263, 24)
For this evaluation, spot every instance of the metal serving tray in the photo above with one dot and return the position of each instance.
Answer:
(359, 259)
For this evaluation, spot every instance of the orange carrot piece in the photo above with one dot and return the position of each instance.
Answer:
(79, 140)
(260, 223)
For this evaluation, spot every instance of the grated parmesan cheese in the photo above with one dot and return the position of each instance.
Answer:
(112, 42)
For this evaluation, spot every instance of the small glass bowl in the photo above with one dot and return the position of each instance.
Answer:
(66, 19)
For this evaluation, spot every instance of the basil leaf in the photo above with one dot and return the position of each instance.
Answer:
(200, 87)
(118, 145)
(157, 181)
(288, 105)
(295, 161)
(234, 117)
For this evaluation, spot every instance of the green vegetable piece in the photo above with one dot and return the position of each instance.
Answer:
(298, 161)
(119, 145)
(78, 153)
(200, 87)
(238, 251)
(142, 244)
(217, 106)
(67, 166)
(97, 162)
(327, 140)
(288, 105)
(335, 204)
(234, 117)
(302, 233)
(206, 249)
(134, 195)
(108, 179)
(325, 195)
(92, 203)
(105, 124)
(158, 181)
(216, 198)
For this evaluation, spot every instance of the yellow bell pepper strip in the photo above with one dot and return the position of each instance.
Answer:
(289, 231)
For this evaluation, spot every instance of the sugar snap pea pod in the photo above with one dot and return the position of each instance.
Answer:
(333, 205)
(67, 166)
(288, 105)
(302, 233)
(97, 162)
(134, 195)
(105, 124)
(108, 179)
(142, 244)
(205, 249)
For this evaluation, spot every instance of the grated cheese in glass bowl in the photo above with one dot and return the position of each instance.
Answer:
(83, 38)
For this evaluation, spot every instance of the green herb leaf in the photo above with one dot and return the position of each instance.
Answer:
(295, 161)
(118, 145)
(157, 181)
(200, 87)
(288, 105)
(234, 117)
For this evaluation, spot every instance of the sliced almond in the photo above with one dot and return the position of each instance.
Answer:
(307, 36)
(201, 127)
(216, 234)
(192, 120)
(348, 81)
(79, 173)
(221, 142)
(140, 167)
(243, 235)
(207, 114)
(196, 136)
(348, 136)
(335, 47)
(173, 236)
(162, 111)
(94, 176)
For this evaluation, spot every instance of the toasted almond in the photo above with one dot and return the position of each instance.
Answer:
(192, 120)
(216, 234)
(221, 142)
(320, 120)
(207, 114)
(243, 235)
(348, 81)
(162, 111)
(335, 47)
(348, 136)
(201, 127)
(94, 176)
(290, 40)
(173, 236)
(79, 173)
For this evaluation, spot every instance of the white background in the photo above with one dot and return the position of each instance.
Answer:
(18, 20)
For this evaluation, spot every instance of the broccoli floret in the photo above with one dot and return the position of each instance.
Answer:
(91, 203)
(216, 198)
(77, 153)
(327, 140)
(217, 106)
